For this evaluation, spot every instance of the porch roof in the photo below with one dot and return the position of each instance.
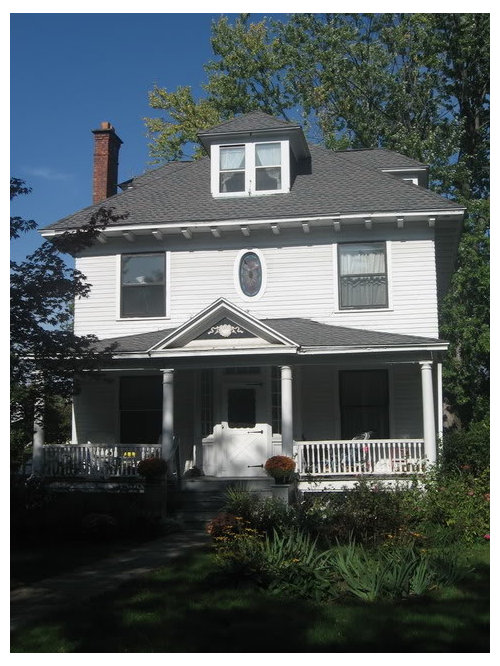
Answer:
(305, 333)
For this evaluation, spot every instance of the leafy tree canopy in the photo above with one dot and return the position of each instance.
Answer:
(46, 355)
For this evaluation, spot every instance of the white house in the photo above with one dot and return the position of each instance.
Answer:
(271, 297)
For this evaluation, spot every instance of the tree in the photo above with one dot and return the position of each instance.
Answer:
(414, 83)
(46, 355)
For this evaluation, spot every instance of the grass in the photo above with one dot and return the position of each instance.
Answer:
(188, 607)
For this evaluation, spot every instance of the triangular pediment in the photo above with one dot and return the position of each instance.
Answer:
(221, 326)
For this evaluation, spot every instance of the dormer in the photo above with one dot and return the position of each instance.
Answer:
(253, 155)
(399, 166)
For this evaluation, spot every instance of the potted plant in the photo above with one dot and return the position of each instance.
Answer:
(152, 468)
(281, 468)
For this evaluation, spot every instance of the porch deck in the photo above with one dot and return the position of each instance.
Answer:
(315, 459)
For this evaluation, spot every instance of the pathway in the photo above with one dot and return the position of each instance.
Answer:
(37, 600)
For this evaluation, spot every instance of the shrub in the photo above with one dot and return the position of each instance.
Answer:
(224, 525)
(456, 507)
(288, 563)
(99, 526)
(263, 515)
(152, 468)
(366, 514)
(467, 449)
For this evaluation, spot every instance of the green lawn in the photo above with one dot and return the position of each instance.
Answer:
(188, 607)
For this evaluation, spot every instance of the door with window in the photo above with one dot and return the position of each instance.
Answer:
(245, 437)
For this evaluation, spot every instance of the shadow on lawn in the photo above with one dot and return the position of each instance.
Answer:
(186, 607)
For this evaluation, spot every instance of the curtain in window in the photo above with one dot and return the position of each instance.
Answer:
(267, 154)
(363, 279)
(232, 157)
(362, 259)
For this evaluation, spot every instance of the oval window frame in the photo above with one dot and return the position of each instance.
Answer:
(237, 281)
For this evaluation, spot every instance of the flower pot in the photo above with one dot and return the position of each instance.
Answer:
(280, 491)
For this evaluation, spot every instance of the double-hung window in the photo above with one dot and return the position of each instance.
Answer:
(362, 275)
(250, 168)
(232, 169)
(267, 166)
(143, 285)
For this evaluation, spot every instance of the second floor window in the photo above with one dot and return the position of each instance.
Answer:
(143, 285)
(362, 275)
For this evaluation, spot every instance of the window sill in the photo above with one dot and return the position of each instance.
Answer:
(246, 195)
(348, 311)
(162, 318)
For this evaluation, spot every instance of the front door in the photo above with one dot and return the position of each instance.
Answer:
(245, 438)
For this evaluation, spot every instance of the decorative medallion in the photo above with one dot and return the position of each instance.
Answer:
(225, 328)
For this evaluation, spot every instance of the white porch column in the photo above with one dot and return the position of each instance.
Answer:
(428, 411)
(167, 430)
(38, 436)
(439, 381)
(286, 411)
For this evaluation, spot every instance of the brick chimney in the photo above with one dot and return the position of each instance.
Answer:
(106, 147)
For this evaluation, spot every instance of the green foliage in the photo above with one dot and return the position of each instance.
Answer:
(45, 353)
(264, 515)
(455, 508)
(465, 319)
(367, 514)
(467, 450)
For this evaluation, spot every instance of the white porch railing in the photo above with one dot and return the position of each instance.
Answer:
(97, 461)
(354, 457)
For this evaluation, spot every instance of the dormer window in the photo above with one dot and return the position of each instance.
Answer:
(268, 166)
(251, 168)
(232, 169)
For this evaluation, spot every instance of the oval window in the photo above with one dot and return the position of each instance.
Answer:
(250, 274)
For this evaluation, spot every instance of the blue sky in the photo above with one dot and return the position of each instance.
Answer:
(69, 72)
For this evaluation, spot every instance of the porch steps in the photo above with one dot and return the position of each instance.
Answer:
(199, 500)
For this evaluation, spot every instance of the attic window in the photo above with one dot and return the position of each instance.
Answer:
(232, 169)
(267, 166)
(252, 168)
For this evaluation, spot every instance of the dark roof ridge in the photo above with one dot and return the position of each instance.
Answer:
(237, 118)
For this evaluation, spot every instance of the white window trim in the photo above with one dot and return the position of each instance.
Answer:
(388, 268)
(250, 170)
(119, 290)
(236, 275)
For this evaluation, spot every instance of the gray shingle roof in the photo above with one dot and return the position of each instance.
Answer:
(249, 122)
(304, 332)
(380, 158)
(333, 185)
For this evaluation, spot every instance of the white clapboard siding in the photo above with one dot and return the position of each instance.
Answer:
(301, 281)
